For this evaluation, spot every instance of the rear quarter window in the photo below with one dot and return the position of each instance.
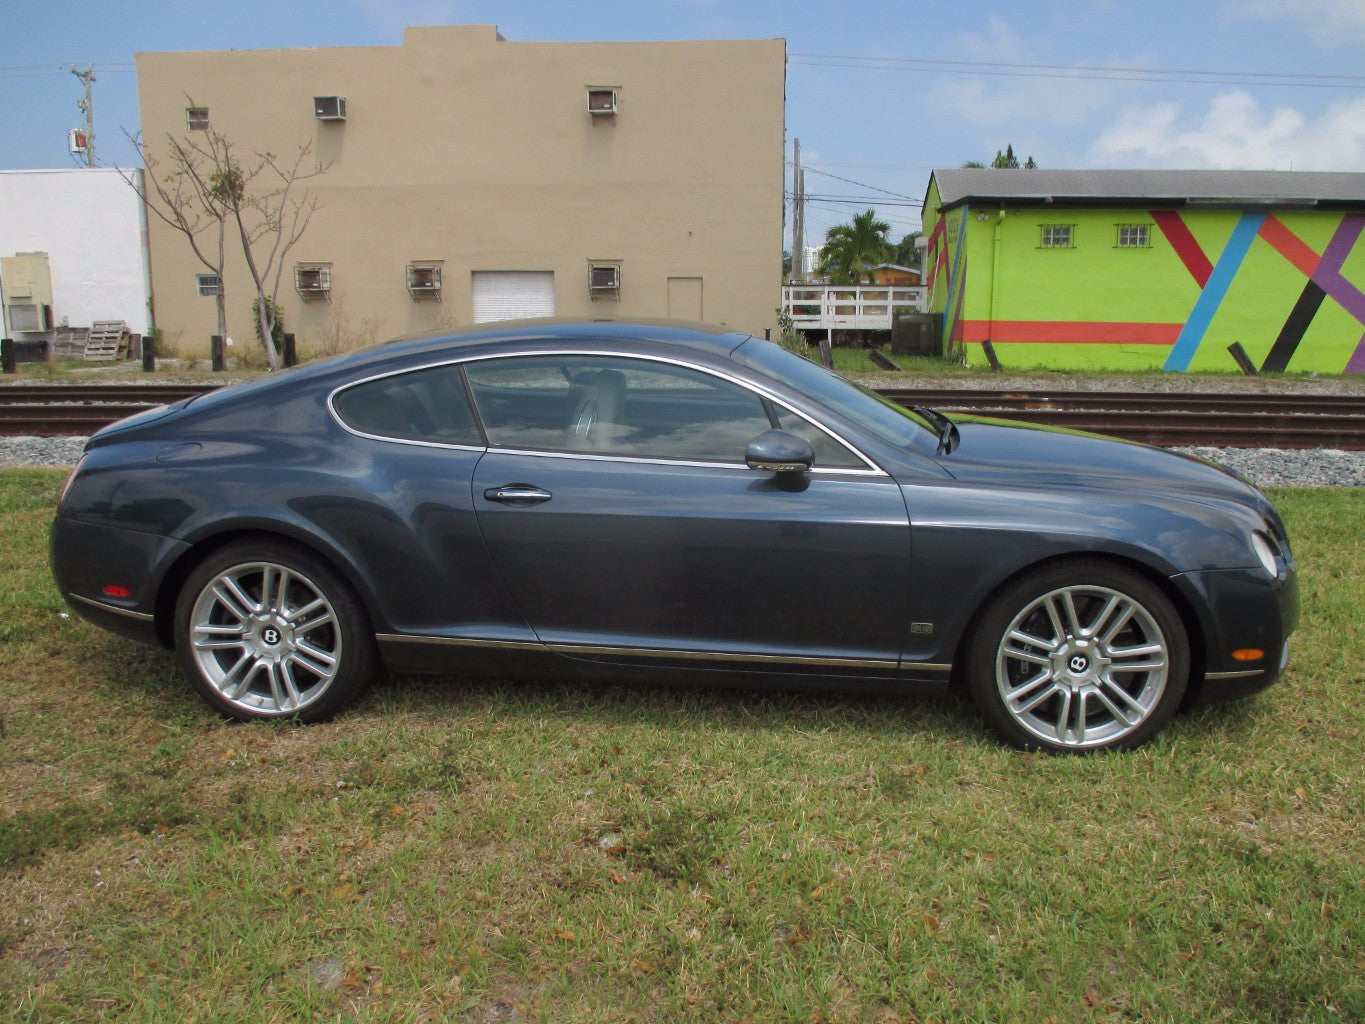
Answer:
(429, 405)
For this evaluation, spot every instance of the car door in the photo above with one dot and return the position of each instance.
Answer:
(617, 506)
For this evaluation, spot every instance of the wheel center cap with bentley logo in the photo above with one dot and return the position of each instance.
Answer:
(1078, 663)
(271, 635)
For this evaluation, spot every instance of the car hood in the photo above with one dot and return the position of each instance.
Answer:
(1033, 455)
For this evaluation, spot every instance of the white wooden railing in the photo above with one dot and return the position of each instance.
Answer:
(866, 307)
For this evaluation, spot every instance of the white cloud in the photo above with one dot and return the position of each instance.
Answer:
(1235, 133)
(1336, 21)
(1012, 97)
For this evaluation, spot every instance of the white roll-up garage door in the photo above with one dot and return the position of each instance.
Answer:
(513, 294)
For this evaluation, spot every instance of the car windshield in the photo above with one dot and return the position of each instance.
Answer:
(870, 411)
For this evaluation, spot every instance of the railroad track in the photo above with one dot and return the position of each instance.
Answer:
(64, 410)
(1172, 419)
(1219, 419)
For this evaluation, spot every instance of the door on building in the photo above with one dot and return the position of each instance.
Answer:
(513, 294)
(684, 298)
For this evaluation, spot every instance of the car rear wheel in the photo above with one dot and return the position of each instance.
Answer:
(267, 630)
(1079, 656)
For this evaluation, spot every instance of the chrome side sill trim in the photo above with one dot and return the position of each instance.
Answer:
(1216, 676)
(102, 606)
(881, 664)
(885, 664)
(458, 641)
(926, 666)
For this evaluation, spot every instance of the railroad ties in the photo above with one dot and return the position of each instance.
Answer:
(64, 410)
(1172, 419)
(1216, 419)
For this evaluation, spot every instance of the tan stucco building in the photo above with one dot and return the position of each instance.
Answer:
(473, 178)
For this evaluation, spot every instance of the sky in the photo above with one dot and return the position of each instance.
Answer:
(878, 94)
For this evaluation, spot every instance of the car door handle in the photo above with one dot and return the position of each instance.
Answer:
(517, 494)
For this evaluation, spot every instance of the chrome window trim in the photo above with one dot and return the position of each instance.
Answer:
(871, 468)
(444, 445)
(659, 461)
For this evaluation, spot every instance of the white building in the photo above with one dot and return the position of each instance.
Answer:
(74, 245)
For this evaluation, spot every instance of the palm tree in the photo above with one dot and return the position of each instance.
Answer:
(907, 254)
(852, 251)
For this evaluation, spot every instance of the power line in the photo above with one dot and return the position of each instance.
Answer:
(915, 204)
(860, 184)
(1184, 76)
(39, 70)
(1074, 67)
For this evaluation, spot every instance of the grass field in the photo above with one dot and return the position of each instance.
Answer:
(480, 851)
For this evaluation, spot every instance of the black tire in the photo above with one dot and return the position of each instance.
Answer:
(265, 630)
(1078, 656)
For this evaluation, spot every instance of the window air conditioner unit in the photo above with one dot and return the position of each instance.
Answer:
(602, 102)
(313, 280)
(25, 318)
(424, 280)
(329, 108)
(604, 278)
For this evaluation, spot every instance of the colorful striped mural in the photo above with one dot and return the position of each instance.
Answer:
(1287, 284)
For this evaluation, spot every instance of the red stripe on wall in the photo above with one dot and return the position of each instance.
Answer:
(1069, 332)
(1290, 246)
(1184, 244)
(937, 233)
(939, 267)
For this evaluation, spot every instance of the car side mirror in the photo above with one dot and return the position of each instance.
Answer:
(777, 451)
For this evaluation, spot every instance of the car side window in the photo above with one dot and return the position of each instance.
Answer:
(829, 453)
(424, 405)
(617, 406)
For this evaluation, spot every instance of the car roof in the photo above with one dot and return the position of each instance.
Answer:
(716, 339)
(703, 339)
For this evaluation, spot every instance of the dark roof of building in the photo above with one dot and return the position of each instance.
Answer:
(1273, 188)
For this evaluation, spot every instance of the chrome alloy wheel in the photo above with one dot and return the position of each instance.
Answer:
(1082, 666)
(266, 638)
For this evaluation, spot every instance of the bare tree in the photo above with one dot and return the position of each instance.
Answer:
(183, 193)
(270, 216)
(203, 186)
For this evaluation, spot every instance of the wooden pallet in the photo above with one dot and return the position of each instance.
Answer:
(108, 339)
(70, 342)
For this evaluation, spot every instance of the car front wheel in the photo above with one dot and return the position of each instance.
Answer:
(267, 630)
(1079, 656)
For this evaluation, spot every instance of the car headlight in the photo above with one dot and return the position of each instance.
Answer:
(1266, 551)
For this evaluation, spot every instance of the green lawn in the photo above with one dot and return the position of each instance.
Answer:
(480, 851)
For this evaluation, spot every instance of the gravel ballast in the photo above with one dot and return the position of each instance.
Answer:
(1268, 467)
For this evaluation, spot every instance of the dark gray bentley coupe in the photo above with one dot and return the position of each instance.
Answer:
(660, 501)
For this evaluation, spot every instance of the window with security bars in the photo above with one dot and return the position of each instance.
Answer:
(196, 119)
(1057, 236)
(1133, 236)
(209, 284)
(310, 281)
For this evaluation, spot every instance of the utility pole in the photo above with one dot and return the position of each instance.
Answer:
(798, 215)
(87, 76)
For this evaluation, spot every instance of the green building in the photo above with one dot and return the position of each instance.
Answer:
(1125, 270)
